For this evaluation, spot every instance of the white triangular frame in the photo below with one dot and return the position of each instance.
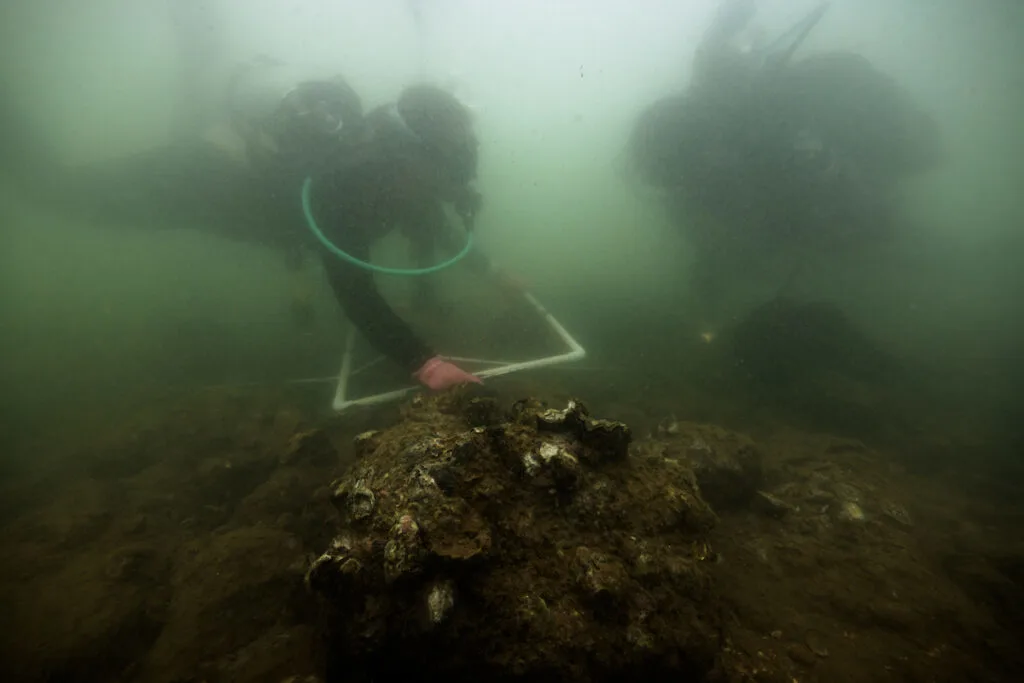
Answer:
(343, 402)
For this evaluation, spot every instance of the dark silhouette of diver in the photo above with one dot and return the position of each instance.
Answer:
(392, 168)
(765, 153)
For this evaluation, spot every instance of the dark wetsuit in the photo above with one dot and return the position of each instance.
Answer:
(353, 215)
(354, 208)
(196, 185)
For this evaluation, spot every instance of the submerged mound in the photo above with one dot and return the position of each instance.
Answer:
(485, 544)
(490, 544)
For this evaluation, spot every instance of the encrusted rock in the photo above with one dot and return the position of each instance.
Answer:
(464, 447)
(727, 465)
(482, 412)
(608, 438)
(769, 505)
(424, 450)
(552, 465)
(355, 501)
(896, 513)
(437, 511)
(440, 601)
(403, 552)
(848, 511)
(336, 568)
(604, 439)
(365, 443)
(847, 492)
(456, 531)
(568, 419)
(668, 426)
(598, 573)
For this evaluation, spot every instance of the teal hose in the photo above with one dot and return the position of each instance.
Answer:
(311, 222)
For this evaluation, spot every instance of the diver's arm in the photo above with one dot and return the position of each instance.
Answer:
(358, 296)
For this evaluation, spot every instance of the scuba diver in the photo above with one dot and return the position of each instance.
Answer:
(313, 173)
(764, 152)
(415, 154)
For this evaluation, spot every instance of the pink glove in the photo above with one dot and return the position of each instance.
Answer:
(438, 373)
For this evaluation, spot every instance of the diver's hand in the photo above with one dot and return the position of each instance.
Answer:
(438, 374)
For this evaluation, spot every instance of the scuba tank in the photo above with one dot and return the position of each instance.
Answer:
(286, 116)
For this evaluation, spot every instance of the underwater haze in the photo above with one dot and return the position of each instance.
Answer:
(769, 303)
(94, 315)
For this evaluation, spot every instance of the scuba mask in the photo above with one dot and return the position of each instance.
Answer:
(313, 114)
(280, 110)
